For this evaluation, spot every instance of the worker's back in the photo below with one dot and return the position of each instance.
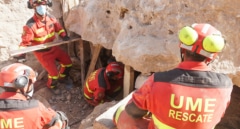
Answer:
(187, 99)
(18, 113)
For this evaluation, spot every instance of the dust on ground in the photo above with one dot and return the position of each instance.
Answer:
(69, 101)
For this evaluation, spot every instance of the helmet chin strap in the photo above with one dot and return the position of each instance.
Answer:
(181, 54)
(29, 92)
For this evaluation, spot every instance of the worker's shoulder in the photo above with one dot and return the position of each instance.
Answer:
(30, 22)
(224, 78)
(193, 77)
(167, 75)
(19, 103)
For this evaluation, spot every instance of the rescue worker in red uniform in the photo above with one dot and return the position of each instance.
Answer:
(17, 108)
(104, 84)
(190, 96)
(41, 29)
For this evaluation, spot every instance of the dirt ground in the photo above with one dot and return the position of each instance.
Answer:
(69, 101)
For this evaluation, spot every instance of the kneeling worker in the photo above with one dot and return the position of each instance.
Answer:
(104, 84)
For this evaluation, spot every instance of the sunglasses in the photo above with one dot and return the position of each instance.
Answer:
(211, 43)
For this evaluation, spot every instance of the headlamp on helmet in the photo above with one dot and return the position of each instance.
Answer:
(202, 39)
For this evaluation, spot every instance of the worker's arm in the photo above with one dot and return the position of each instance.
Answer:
(139, 105)
(61, 121)
(59, 29)
(51, 119)
(134, 111)
(99, 95)
(125, 121)
(27, 36)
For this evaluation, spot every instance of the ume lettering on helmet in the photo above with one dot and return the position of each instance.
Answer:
(202, 39)
(16, 75)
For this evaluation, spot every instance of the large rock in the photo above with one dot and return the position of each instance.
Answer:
(143, 34)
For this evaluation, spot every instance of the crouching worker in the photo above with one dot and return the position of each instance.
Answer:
(104, 84)
(17, 108)
(190, 96)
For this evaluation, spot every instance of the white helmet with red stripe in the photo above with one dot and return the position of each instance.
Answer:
(203, 39)
(17, 76)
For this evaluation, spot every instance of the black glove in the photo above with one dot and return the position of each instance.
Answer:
(20, 58)
(65, 38)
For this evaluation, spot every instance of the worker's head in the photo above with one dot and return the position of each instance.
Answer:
(40, 6)
(18, 77)
(114, 71)
(201, 40)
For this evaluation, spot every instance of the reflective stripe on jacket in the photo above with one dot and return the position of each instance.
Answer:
(37, 32)
(188, 97)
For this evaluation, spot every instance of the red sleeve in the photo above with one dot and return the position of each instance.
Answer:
(99, 94)
(58, 28)
(27, 36)
(141, 96)
(47, 114)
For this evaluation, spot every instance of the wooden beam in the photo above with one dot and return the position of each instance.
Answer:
(83, 73)
(41, 46)
(41, 75)
(69, 49)
(95, 56)
(128, 80)
(99, 63)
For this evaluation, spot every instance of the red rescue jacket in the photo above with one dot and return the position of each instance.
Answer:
(36, 32)
(188, 97)
(18, 113)
(98, 86)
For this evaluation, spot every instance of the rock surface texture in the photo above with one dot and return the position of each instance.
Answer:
(143, 34)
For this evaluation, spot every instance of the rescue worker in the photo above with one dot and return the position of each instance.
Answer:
(190, 96)
(104, 84)
(41, 29)
(17, 108)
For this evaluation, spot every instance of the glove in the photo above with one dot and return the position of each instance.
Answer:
(65, 38)
(20, 58)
